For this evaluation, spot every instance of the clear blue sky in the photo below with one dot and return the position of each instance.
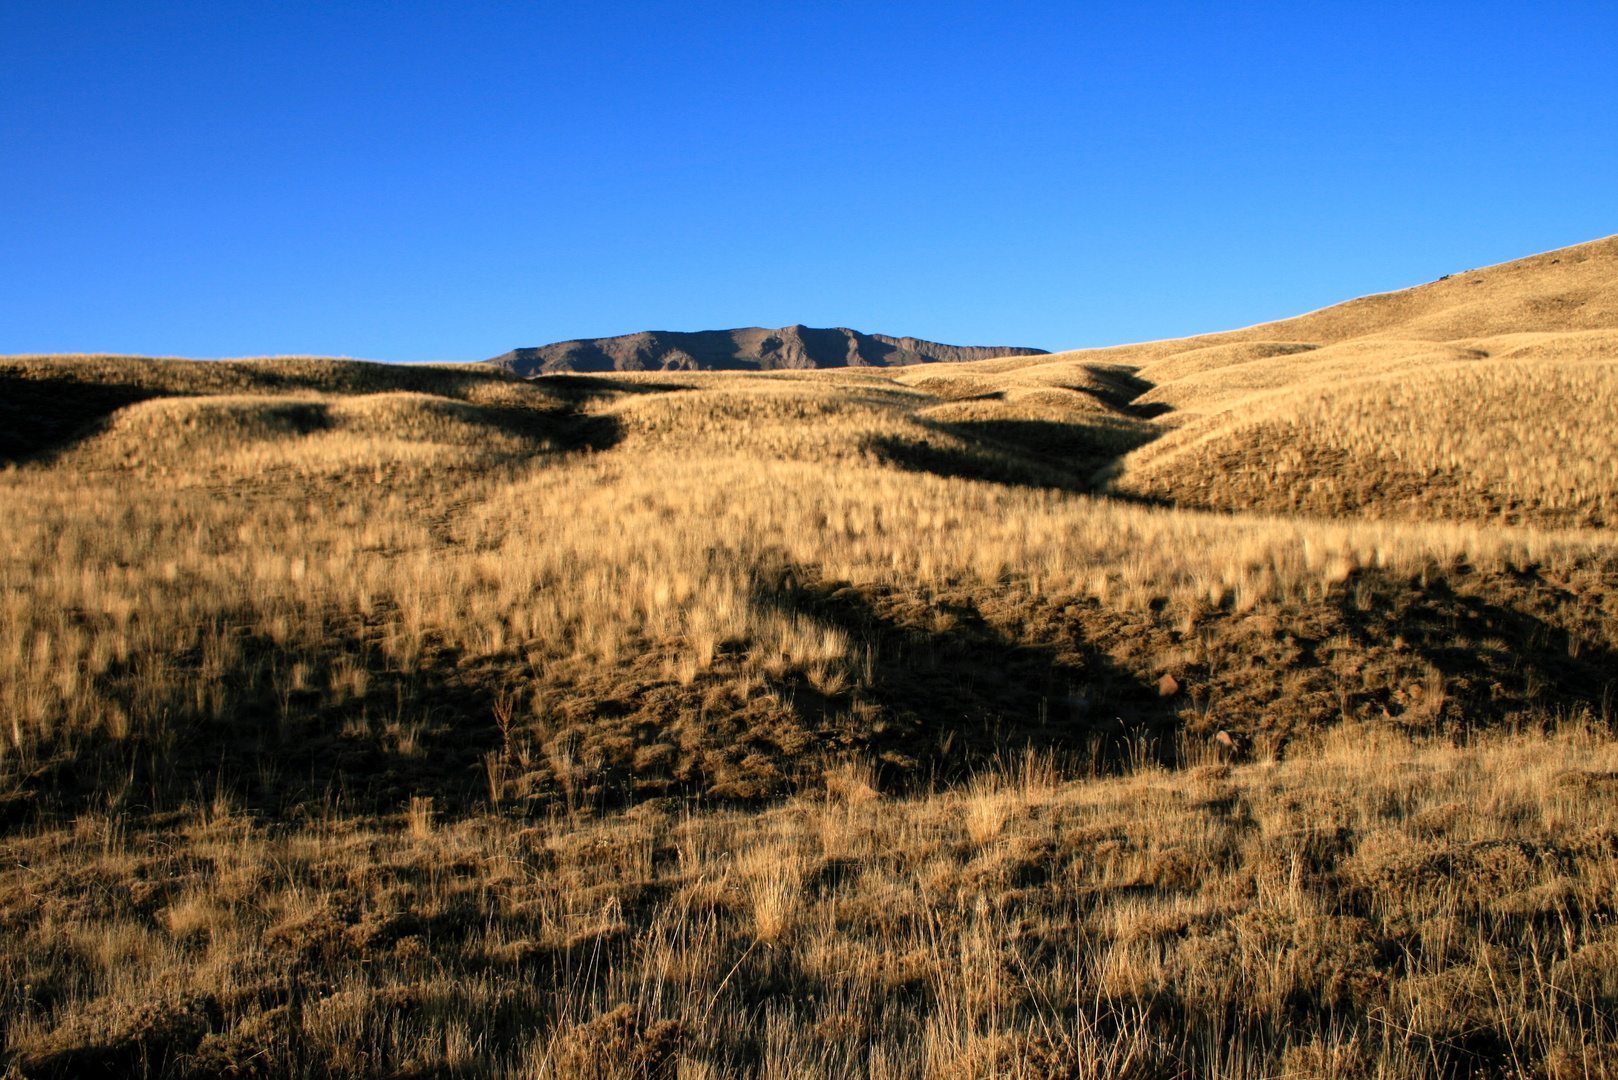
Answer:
(422, 182)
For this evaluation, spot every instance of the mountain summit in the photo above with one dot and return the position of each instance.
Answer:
(751, 348)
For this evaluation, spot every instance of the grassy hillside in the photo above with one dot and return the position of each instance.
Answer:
(1482, 397)
(1522, 437)
(1479, 397)
(367, 720)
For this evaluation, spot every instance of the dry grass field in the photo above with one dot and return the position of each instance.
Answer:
(427, 721)
(1374, 905)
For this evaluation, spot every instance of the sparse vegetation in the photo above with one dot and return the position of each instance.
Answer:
(429, 721)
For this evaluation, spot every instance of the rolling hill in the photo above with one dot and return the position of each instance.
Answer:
(1241, 705)
(752, 348)
(1483, 396)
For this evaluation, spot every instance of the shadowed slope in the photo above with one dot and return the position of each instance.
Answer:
(48, 403)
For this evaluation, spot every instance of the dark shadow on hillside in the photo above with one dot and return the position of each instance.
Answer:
(1077, 454)
(1054, 441)
(579, 390)
(947, 694)
(954, 694)
(953, 691)
(1509, 645)
(40, 417)
(1066, 455)
(566, 429)
(271, 735)
(1121, 388)
(934, 688)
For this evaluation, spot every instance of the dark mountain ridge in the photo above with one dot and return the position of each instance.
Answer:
(751, 348)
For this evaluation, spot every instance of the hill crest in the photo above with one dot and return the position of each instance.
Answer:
(1568, 289)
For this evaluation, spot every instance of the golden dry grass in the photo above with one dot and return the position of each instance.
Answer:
(1483, 396)
(201, 553)
(1508, 440)
(424, 721)
(1372, 906)
(1353, 377)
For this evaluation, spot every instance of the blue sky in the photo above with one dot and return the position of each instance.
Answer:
(445, 182)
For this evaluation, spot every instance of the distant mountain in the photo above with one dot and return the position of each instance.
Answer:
(751, 348)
